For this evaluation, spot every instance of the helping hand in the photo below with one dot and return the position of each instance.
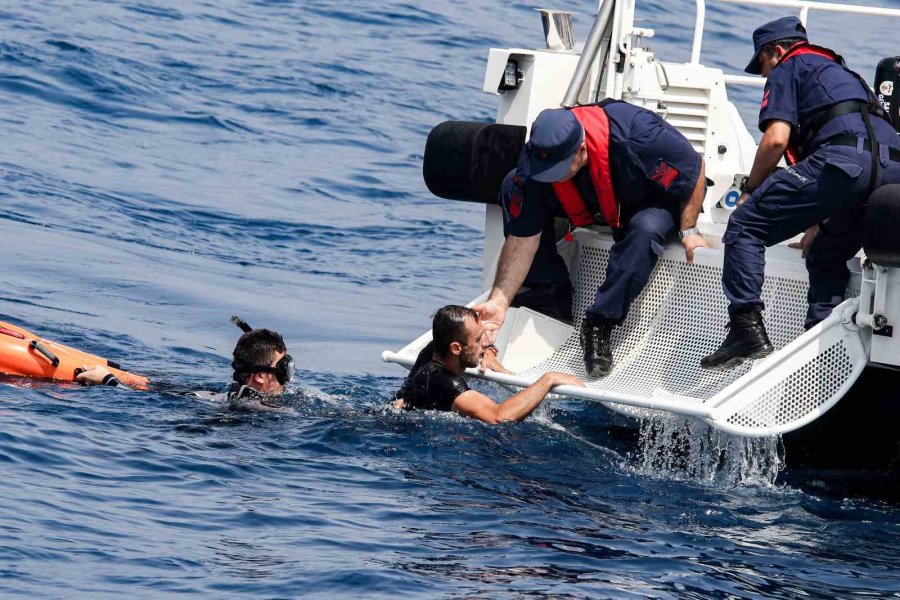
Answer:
(691, 243)
(492, 314)
(806, 241)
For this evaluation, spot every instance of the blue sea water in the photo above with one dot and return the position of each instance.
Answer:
(167, 164)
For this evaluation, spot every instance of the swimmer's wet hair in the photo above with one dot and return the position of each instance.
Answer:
(255, 348)
(448, 326)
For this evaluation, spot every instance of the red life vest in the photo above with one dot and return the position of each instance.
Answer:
(792, 154)
(596, 134)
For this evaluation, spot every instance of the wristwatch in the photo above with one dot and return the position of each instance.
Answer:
(687, 232)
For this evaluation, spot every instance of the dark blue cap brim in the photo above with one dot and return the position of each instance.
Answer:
(753, 66)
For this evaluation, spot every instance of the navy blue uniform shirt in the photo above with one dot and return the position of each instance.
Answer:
(800, 88)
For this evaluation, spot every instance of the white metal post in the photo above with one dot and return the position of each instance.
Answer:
(698, 31)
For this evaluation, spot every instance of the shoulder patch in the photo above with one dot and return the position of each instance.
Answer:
(515, 203)
(765, 100)
(664, 174)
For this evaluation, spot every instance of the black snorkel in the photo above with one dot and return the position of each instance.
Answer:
(242, 324)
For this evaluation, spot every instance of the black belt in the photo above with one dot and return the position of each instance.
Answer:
(852, 141)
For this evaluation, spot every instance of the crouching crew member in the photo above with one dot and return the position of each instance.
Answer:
(610, 163)
(436, 381)
(827, 123)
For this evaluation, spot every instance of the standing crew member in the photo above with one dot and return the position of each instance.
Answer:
(827, 123)
(611, 163)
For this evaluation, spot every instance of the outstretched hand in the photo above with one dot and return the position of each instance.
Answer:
(558, 378)
(691, 243)
(492, 314)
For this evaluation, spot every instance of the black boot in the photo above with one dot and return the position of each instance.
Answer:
(746, 338)
(595, 341)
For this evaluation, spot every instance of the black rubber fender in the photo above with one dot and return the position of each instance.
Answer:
(881, 239)
(468, 161)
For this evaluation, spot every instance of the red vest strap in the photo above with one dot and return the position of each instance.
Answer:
(805, 49)
(596, 134)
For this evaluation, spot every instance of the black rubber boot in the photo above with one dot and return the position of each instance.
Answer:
(595, 341)
(746, 338)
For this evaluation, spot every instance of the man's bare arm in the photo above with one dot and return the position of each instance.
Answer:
(690, 208)
(478, 406)
(516, 257)
(515, 261)
(771, 149)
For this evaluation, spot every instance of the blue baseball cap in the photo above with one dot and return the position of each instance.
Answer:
(779, 29)
(555, 138)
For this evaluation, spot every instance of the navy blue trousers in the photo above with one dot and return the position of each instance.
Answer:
(830, 184)
(639, 244)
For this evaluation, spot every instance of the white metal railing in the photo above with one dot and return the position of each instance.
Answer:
(802, 6)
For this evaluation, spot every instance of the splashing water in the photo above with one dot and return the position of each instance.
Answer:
(684, 448)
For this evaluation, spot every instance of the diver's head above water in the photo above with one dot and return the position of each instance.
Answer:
(261, 362)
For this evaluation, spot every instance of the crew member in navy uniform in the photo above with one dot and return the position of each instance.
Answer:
(610, 163)
(826, 122)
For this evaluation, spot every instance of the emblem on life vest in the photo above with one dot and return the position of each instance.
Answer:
(664, 174)
(886, 88)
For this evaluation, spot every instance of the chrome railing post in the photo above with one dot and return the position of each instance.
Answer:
(591, 45)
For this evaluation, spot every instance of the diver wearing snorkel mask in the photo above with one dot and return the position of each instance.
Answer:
(262, 368)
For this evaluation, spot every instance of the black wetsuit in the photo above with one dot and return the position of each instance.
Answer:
(430, 385)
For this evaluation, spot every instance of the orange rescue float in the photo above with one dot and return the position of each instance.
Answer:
(24, 354)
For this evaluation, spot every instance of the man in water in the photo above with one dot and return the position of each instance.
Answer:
(610, 163)
(262, 369)
(436, 381)
(826, 122)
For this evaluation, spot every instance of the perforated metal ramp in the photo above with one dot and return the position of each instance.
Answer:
(679, 318)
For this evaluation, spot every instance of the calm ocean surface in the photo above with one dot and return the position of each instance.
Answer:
(167, 164)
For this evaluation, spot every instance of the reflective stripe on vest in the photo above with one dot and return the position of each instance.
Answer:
(596, 134)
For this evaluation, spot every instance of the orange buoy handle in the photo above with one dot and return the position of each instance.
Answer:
(36, 345)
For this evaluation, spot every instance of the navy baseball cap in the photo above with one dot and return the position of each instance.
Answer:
(555, 138)
(779, 29)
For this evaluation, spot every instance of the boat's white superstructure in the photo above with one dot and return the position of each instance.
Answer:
(679, 316)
